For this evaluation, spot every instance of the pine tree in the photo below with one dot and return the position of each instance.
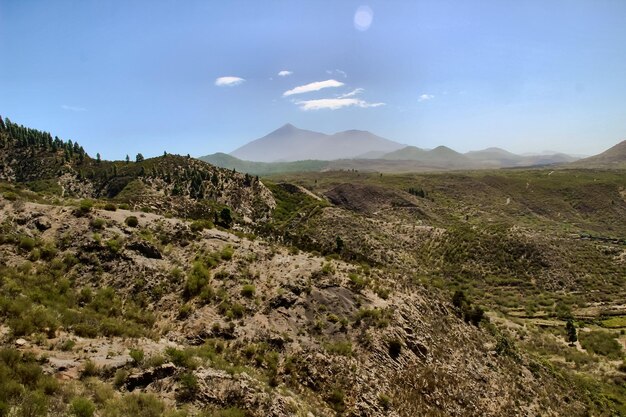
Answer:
(98, 160)
(570, 328)
(127, 158)
(139, 158)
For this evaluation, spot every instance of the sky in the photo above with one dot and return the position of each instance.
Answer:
(198, 77)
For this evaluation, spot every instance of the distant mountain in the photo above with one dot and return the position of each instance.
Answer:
(614, 157)
(289, 143)
(496, 157)
(263, 168)
(441, 156)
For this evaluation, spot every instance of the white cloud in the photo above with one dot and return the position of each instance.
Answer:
(228, 81)
(285, 73)
(352, 93)
(316, 86)
(337, 71)
(425, 97)
(72, 108)
(335, 103)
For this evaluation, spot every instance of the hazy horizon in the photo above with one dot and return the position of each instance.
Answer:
(204, 77)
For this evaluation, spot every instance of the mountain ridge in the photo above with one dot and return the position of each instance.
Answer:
(289, 143)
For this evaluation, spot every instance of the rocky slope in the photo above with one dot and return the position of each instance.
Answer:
(226, 322)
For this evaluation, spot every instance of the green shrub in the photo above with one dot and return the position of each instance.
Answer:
(188, 387)
(185, 311)
(336, 400)
(35, 404)
(248, 291)
(136, 405)
(384, 400)
(183, 358)
(200, 225)
(137, 356)
(120, 377)
(85, 207)
(10, 195)
(343, 348)
(114, 245)
(89, 369)
(227, 253)
(48, 251)
(356, 282)
(27, 243)
(82, 407)
(98, 223)
(131, 221)
(601, 343)
(197, 279)
(110, 207)
(124, 206)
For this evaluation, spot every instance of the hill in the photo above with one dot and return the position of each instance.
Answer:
(614, 157)
(441, 157)
(262, 168)
(182, 185)
(289, 143)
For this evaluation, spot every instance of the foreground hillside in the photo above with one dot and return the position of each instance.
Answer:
(124, 311)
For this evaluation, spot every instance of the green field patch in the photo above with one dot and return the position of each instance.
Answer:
(614, 322)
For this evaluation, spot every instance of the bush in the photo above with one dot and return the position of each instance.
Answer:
(601, 343)
(11, 196)
(97, 223)
(82, 407)
(137, 356)
(181, 358)
(114, 245)
(89, 369)
(48, 251)
(184, 311)
(120, 378)
(356, 282)
(188, 387)
(336, 400)
(85, 207)
(248, 291)
(197, 279)
(200, 225)
(131, 221)
(343, 348)
(27, 243)
(34, 404)
(137, 405)
(227, 253)
(110, 207)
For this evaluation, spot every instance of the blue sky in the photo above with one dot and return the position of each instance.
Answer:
(122, 77)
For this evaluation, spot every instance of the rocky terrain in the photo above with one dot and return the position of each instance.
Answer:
(224, 321)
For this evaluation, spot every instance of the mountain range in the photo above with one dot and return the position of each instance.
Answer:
(290, 149)
(289, 143)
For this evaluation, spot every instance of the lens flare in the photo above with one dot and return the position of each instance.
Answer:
(363, 18)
